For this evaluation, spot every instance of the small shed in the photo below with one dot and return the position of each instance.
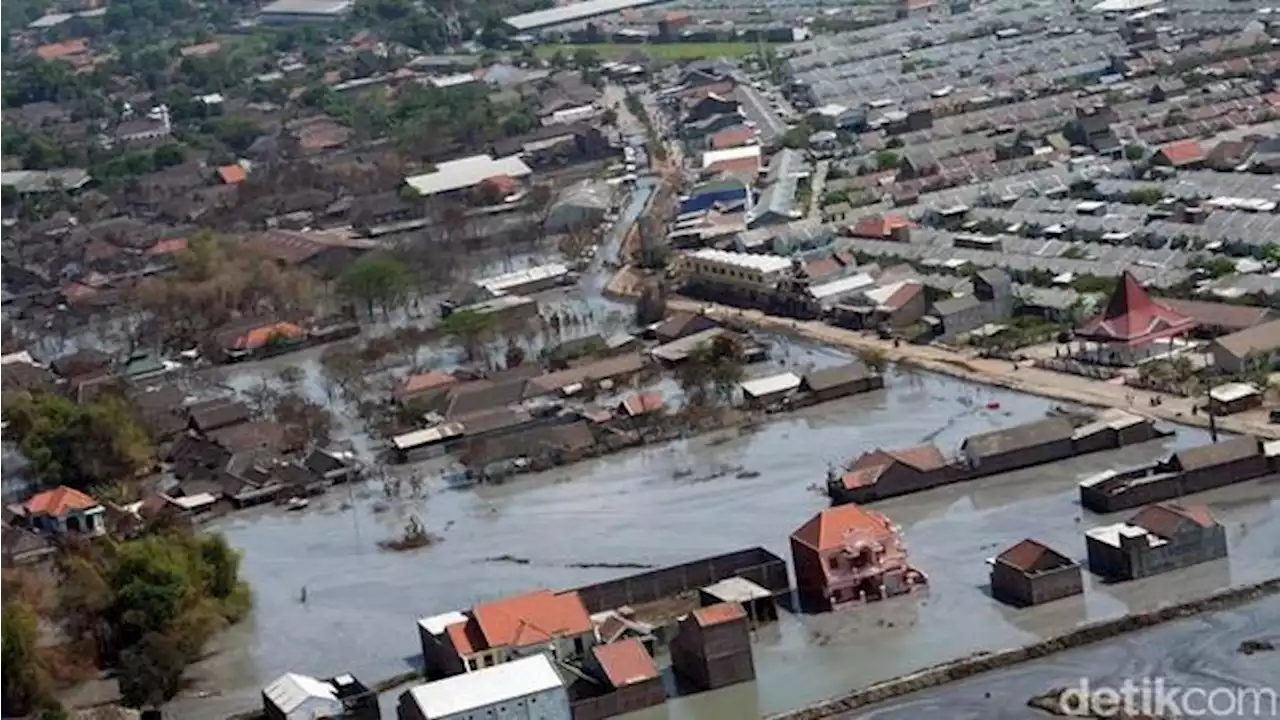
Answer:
(765, 391)
(758, 602)
(1232, 398)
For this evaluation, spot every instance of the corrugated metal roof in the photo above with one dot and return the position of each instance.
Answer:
(467, 172)
(569, 13)
(479, 689)
(782, 382)
(291, 690)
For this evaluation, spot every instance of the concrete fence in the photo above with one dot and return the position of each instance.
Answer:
(978, 664)
(755, 564)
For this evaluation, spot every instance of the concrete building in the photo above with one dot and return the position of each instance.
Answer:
(767, 391)
(1158, 539)
(1031, 573)
(632, 679)
(890, 472)
(300, 697)
(298, 12)
(850, 554)
(1255, 346)
(1232, 398)
(712, 647)
(1019, 446)
(527, 281)
(525, 689)
(747, 271)
(842, 380)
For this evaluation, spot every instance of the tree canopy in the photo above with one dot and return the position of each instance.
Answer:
(80, 445)
(378, 280)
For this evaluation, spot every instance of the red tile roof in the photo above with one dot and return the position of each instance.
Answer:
(259, 337)
(643, 404)
(718, 614)
(879, 226)
(415, 384)
(625, 662)
(732, 137)
(827, 530)
(60, 50)
(532, 618)
(1032, 556)
(736, 166)
(168, 247)
(1133, 318)
(232, 174)
(466, 637)
(58, 502)
(1182, 152)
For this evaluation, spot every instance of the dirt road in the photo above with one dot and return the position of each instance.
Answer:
(1001, 373)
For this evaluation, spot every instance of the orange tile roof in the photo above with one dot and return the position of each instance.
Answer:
(827, 529)
(532, 618)
(643, 403)
(60, 50)
(625, 662)
(58, 502)
(232, 174)
(732, 137)
(425, 381)
(168, 247)
(259, 337)
(921, 457)
(200, 50)
(862, 477)
(736, 166)
(466, 637)
(1182, 152)
(877, 226)
(718, 613)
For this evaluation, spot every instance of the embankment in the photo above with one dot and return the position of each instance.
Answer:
(986, 662)
(997, 373)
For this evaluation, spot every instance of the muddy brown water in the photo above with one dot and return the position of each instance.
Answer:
(362, 603)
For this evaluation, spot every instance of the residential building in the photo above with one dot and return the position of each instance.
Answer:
(957, 315)
(886, 473)
(1092, 129)
(755, 274)
(1181, 154)
(1020, 446)
(850, 554)
(1159, 538)
(499, 631)
(629, 675)
(683, 323)
(64, 510)
(524, 689)
(1031, 573)
(841, 380)
(1232, 398)
(712, 647)
(1187, 471)
(882, 227)
(771, 390)
(1254, 347)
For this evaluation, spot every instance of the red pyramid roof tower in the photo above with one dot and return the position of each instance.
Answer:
(1133, 318)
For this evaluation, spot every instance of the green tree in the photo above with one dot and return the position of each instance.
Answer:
(25, 682)
(378, 280)
(586, 58)
(150, 672)
(1134, 152)
(469, 329)
(887, 159)
(80, 445)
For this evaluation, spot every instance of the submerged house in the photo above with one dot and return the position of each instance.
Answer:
(850, 554)
(889, 473)
(1187, 471)
(1031, 573)
(1158, 539)
(712, 647)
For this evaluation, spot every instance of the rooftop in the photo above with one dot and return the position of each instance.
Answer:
(1132, 317)
(531, 618)
(749, 261)
(58, 502)
(625, 662)
(308, 7)
(571, 12)
(829, 528)
(761, 387)
(459, 694)
(467, 172)
(1030, 556)
(291, 691)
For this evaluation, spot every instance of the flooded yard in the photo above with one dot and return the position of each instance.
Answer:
(362, 603)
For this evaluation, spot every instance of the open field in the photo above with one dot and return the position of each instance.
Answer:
(664, 51)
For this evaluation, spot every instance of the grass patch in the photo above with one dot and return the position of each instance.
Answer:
(659, 51)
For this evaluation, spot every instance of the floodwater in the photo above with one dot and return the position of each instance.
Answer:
(1199, 652)
(362, 603)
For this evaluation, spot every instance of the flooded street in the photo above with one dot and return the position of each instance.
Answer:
(362, 603)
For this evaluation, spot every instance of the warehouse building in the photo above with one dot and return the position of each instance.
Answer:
(466, 173)
(540, 19)
(528, 688)
(298, 12)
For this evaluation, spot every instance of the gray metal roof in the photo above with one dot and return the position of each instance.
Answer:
(569, 13)
(307, 7)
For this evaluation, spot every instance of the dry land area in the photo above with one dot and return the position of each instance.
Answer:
(1001, 373)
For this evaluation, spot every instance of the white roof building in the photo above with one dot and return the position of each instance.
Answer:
(301, 697)
(466, 173)
(507, 282)
(1111, 534)
(711, 157)
(771, 385)
(495, 688)
(744, 261)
